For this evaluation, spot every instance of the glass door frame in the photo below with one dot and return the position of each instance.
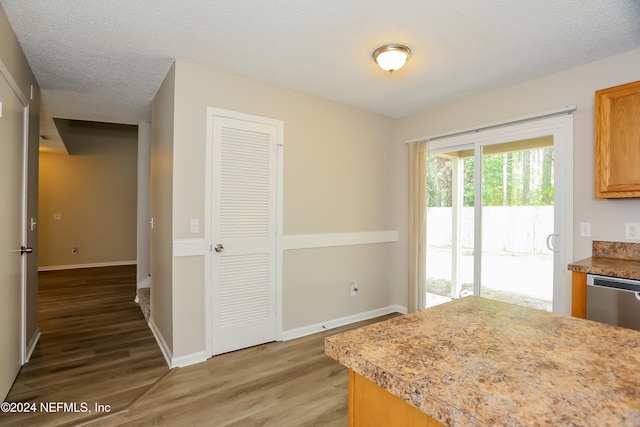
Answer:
(560, 127)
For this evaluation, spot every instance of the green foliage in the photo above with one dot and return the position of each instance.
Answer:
(518, 178)
(469, 189)
(493, 191)
(439, 179)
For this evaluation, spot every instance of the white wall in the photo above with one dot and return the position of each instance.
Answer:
(571, 87)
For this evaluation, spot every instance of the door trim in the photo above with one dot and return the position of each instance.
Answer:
(208, 217)
(25, 174)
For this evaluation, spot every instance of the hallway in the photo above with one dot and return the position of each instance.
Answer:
(95, 348)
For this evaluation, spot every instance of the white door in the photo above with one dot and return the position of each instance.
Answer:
(244, 171)
(12, 134)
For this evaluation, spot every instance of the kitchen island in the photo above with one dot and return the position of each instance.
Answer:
(479, 362)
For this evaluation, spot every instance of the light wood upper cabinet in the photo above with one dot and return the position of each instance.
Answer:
(617, 134)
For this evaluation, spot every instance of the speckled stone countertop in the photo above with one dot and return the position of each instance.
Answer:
(616, 259)
(479, 362)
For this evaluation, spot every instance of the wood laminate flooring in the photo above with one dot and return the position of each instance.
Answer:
(95, 347)
(100, 350)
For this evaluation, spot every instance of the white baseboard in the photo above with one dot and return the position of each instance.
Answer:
(144, 283)
(335, 323)
(189, 359)
(164, 348)
(401, 309)
(31, 345)
(95, 264)
(175, 362)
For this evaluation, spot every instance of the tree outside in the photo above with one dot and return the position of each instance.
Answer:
(517, 178)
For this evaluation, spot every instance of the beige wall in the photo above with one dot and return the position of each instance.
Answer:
(336, 176)
(94, 190)
(144, 164)
(161, 208)
(317, 282)
(14, 61)
(572, 87)
(345, 170)
(337, 179)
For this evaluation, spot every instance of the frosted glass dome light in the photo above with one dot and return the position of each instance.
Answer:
(391, 57)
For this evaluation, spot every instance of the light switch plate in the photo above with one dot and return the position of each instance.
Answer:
(194, 225)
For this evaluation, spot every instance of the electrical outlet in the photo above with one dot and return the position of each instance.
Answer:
(632, 231)
(585, 229)
(355, 287)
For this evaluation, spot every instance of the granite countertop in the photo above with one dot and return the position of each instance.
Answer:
(475, 361)
(616, 259)
(614, 267)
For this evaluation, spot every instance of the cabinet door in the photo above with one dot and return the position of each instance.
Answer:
(617, 133)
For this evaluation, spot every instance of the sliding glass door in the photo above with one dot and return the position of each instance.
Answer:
(497, 217)
(517, 217)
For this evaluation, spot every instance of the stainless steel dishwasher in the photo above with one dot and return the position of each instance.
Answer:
(613, 300)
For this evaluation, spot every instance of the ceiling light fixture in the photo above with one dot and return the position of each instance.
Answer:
(391, 57)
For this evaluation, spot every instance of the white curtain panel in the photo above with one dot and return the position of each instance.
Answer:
(417, 224)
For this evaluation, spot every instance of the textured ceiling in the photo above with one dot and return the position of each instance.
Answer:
(104, 60)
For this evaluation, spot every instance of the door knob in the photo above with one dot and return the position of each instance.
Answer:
(219, 248)
(25, 250)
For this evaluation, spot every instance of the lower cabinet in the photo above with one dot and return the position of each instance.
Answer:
(371, 405)
(579, 294)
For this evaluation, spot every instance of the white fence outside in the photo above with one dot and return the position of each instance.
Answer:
(513, 229)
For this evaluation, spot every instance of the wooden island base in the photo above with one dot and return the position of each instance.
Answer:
(371, 405)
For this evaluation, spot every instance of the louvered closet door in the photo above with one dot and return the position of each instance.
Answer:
(243, 234)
